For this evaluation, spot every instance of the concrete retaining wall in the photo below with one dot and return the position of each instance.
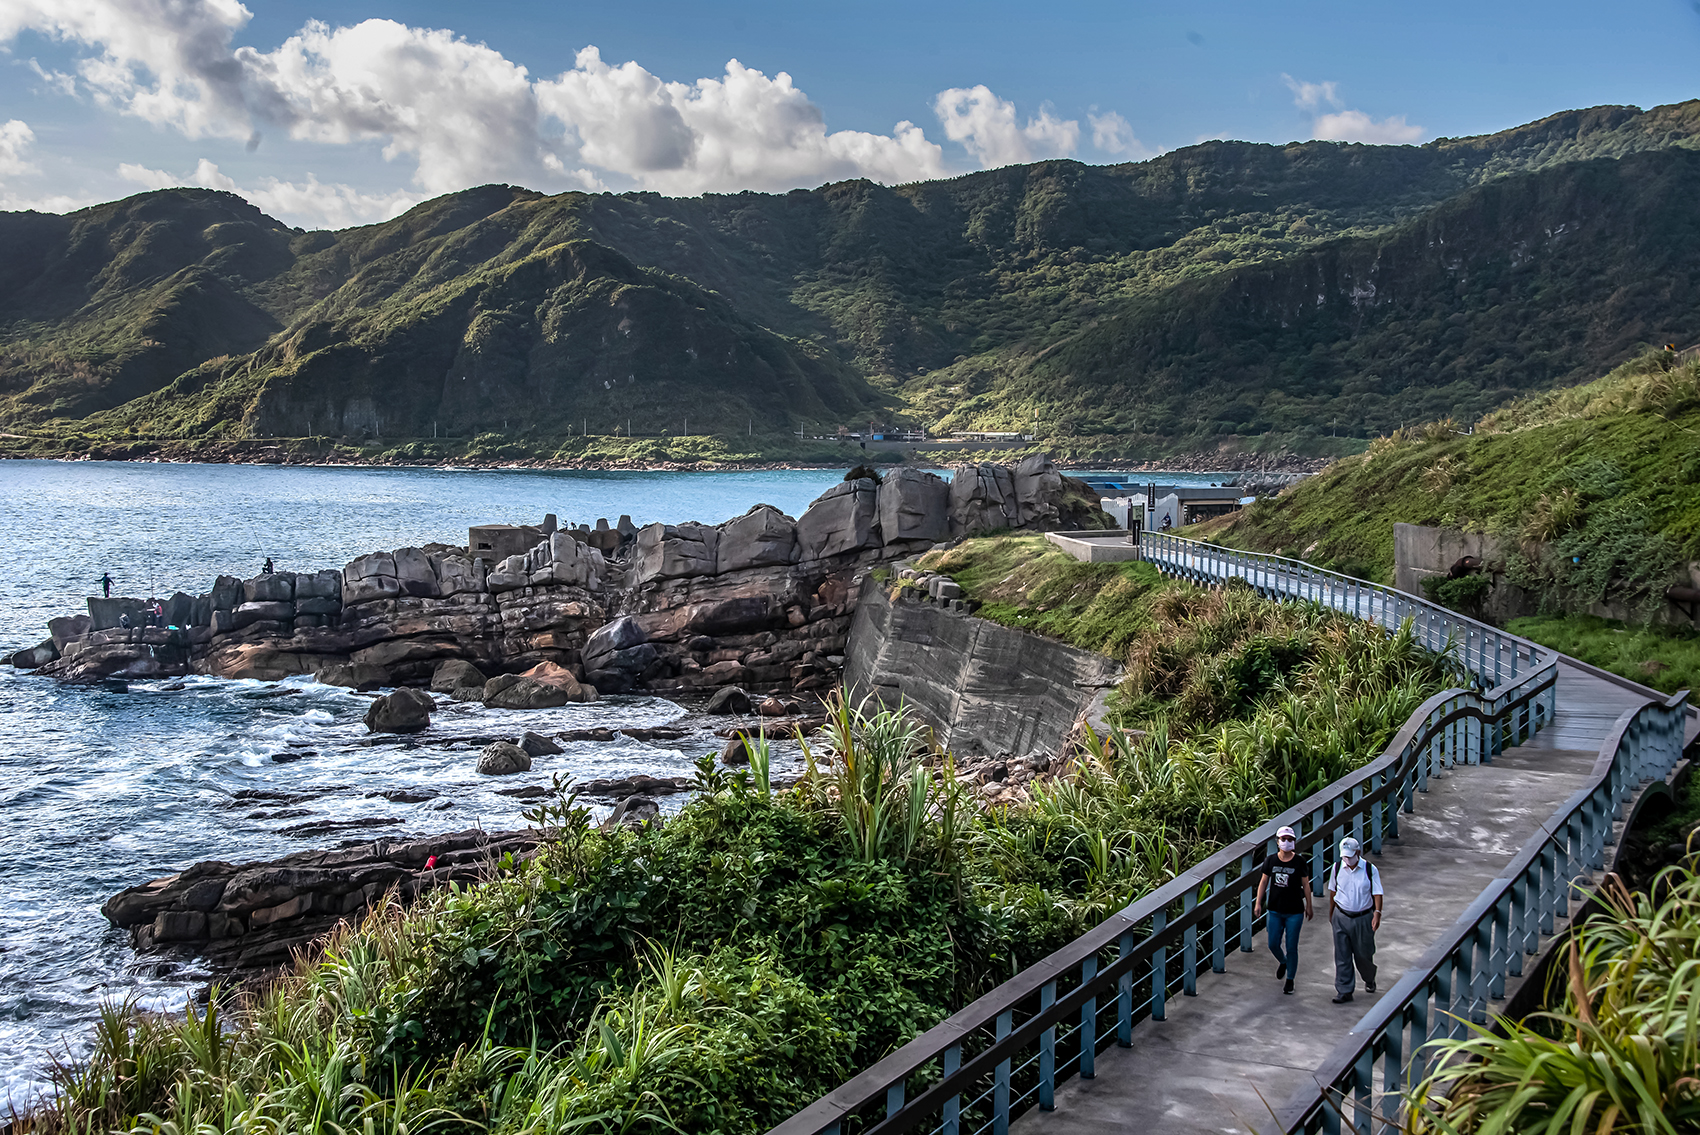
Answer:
(983, 687)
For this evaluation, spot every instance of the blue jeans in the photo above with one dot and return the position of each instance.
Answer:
(1286, 926)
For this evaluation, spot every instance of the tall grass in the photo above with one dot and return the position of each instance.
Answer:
(1622, 1053)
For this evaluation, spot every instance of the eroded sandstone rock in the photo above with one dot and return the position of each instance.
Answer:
(503, 758)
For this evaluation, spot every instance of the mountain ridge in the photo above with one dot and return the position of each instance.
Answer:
(1092, 304)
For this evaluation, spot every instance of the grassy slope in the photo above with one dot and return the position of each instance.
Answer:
(1624, 443)
(1025, 295)
(1606, 474)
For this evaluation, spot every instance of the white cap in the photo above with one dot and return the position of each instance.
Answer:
(1350, 847)
(1288, 832)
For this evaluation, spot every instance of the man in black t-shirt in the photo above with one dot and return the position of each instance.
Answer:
(1285, 883)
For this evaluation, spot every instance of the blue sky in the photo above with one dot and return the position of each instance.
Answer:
(341, 113)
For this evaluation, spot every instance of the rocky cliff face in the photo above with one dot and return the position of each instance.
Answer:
(986, 689)
(762, 601)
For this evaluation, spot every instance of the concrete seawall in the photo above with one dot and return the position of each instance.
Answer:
(983, 687)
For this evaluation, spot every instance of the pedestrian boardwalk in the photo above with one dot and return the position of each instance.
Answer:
(1225, 1059)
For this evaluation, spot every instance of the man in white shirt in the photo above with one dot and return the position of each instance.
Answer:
(1354, 913)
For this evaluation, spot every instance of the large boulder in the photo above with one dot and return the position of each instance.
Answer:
(565, 562)
(729, 699)
(551, 674)
(453, 673)
(982, 499)
(227, 593)
(370, 577)
(270, 587)
(458, 575)
(67, 627)
(914, 505)
(537, 745)
(610, 639)
(761, 537)
(33, 657)
(405, 711)
(668, 551)
(355, 676)
(842, 519)
(413, 574)
(503, 758)
(510, 691)
(1038, 493)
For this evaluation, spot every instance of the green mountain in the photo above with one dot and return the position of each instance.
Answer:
(1277, 294)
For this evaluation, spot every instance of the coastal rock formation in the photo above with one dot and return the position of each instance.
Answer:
(405, 711)
(250, 916)
(763, 601)
(502, 758)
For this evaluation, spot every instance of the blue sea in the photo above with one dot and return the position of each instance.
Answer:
(101, 790)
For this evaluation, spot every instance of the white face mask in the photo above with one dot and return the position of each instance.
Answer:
(1285, 844)
(1351, 861)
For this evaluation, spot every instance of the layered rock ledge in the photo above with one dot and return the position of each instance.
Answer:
(762, 601)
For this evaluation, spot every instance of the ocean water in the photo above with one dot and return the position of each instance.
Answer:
(101, 790)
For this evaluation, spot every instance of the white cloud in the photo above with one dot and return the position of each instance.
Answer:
(310, 203)
(1356, 126)
(1112, 134)
(463, 114)
(1348, 125)
(742, 130)
(1309, 96)
(986, 127)
(15, 139)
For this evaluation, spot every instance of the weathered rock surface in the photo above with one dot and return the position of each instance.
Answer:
(250, 916)
(503, 758)
(454, 673)
(983, 687)
(728, 699)
(405, 711)
(762, 601)
(510, 691)
(537, 745)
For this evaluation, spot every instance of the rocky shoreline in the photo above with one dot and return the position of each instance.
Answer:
(762, 601)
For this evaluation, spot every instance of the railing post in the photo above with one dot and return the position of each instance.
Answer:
(1048, 1052)
(953, 1105)
(1159, 969)
(1124, 994)
(894, 1100)
(1247, 894)
(1000, 1082)
(1219, 926)
(1089, 1024)
(1189, 949)
(1393, 1072)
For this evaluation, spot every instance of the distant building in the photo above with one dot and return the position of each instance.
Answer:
(1183, 504)
(496, 542)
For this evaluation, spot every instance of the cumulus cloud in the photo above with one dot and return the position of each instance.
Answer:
(460, 113)
(1112, 134)
(1342, 125)
(987, 128)
(15, 140)
(312, 202)
(1356, 126)
(742, 130)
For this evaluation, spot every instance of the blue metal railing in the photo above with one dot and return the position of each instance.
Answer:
(969, 1074)
(1453, 981)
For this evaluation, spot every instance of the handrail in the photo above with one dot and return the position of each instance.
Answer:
(1450, 985)
(964, 1069)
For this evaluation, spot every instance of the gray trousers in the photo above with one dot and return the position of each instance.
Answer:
(1354, 941)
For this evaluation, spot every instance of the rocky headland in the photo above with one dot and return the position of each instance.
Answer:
(721, 614)
(762, 601)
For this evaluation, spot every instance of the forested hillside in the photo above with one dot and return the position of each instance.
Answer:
(1275, 294)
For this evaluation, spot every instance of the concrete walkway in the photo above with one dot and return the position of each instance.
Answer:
(1223, 1060)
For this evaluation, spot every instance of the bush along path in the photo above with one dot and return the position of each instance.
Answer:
(719, 971)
